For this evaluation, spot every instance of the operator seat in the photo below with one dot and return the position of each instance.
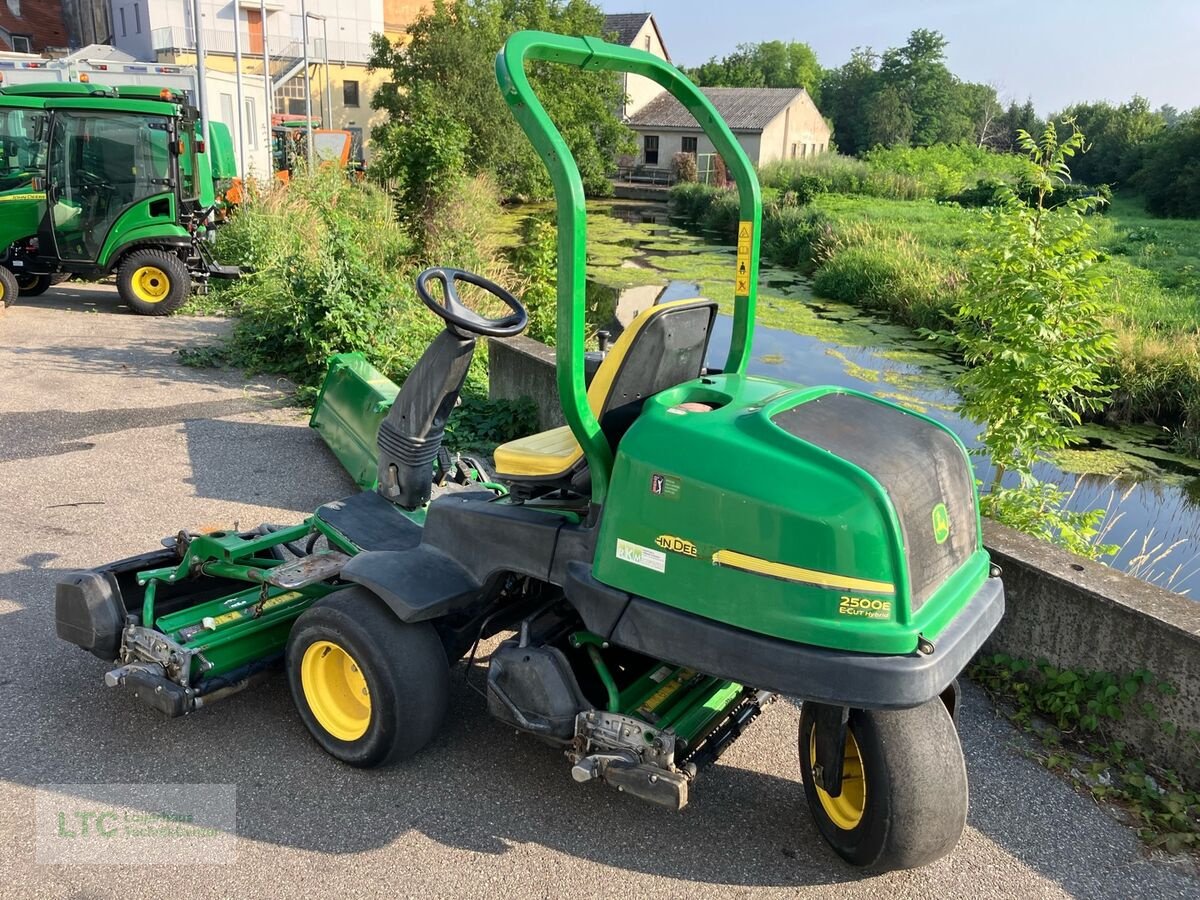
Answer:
(664, 346)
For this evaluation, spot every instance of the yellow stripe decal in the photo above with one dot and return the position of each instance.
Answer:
(735, 560)
(9, 197)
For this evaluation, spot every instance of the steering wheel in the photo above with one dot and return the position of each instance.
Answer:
(450, 308)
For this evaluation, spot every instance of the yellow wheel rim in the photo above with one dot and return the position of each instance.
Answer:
(845, 810)
(151, 284)
(336, 690)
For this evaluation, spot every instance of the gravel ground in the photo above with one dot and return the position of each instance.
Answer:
(107, 444)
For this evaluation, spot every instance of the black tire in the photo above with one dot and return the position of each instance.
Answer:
(153, 282)
(33, 285)
(60, 277)
(402, 667)
(914, 787)
(9, 291)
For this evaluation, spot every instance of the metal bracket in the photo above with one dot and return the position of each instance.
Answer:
(830, 725)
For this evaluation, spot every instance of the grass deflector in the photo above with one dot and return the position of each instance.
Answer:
(97, 180)
(690, 545)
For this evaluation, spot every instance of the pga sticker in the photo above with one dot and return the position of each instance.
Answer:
(645, 557)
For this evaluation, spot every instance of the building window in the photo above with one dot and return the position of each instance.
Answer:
(650, 149)
(21, 43)
(350, 93)
(688, 145)
(251, 127)
(124, 31)
(137, 18)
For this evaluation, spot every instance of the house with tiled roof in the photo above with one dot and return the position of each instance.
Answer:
(640, 31)
(769, 123)
(32, 26)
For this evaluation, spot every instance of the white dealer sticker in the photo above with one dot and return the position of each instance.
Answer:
(641, 556)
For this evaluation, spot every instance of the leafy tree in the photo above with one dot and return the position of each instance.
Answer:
(1015, 119)
(1030, 326)
(1116, 135)
(770, 64)
(1170, 176)
(845, 92)
(917, 71)
(443, 88)
(889, 119)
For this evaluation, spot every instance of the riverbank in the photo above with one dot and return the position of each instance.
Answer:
(902, 258)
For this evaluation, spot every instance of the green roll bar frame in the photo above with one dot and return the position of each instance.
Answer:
(591, 54)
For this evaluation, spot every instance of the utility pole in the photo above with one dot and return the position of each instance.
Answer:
(241, 102)
(270, 90)
(328, 89)
(307, 87)
(201, 83)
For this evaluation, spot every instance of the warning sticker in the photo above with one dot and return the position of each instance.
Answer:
(641, 556)
(741, 284)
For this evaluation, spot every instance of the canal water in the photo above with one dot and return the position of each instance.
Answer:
(637, 258)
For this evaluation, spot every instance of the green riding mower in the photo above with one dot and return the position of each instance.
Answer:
(691, 545)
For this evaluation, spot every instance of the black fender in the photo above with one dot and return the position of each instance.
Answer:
(417, 585)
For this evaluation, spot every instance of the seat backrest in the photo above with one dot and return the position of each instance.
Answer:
(664, 346)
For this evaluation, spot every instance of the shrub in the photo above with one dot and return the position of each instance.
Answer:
(885, 272)
(721, 216)
(683, 167)
(791, 233)
(689, 202)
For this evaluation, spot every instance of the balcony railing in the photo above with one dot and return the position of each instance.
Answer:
(221, 42)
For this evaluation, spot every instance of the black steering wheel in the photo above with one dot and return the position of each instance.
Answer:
(450, 308)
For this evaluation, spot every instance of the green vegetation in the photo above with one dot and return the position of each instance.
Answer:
(906, 259)
(333, 271)
(1073, 714)
(446, 118)
(1029, 325)
(781, 64)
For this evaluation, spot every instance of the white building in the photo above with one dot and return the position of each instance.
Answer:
(640, 31)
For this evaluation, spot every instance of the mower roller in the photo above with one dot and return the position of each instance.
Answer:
(689, 546)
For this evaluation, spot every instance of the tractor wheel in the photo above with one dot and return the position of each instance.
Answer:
(153, 282)
(903, 801)
(9, 289)
(370, 688)
(33, 285)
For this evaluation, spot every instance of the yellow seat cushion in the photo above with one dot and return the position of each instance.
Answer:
(539, 455)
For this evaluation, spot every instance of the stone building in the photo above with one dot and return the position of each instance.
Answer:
(769, 123)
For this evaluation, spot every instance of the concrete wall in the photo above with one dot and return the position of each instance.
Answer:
(796, 132)
(1080, 614)
(131, 25)
(1061, 608)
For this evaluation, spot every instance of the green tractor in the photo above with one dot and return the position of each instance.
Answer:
(690, 546)
(108, 180)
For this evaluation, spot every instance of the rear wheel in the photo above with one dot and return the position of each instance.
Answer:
(371, 689)
(8, 288)
(903, 801)
(33, 285)
(153, 282)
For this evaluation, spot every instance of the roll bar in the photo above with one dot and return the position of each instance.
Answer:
(592, 53)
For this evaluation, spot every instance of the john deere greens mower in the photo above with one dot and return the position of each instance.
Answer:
(97, 180)
(688, 546)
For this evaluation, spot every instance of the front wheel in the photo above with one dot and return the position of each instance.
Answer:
(8, 288)
(371, 689)
(903, 801)
(153, 282)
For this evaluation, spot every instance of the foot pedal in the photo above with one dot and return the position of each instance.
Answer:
(308, 570)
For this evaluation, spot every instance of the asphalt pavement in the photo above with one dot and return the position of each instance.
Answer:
(107, 444)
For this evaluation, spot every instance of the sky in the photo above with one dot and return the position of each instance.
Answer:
(1056, 53)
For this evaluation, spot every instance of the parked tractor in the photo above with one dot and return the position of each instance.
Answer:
(97, 180)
